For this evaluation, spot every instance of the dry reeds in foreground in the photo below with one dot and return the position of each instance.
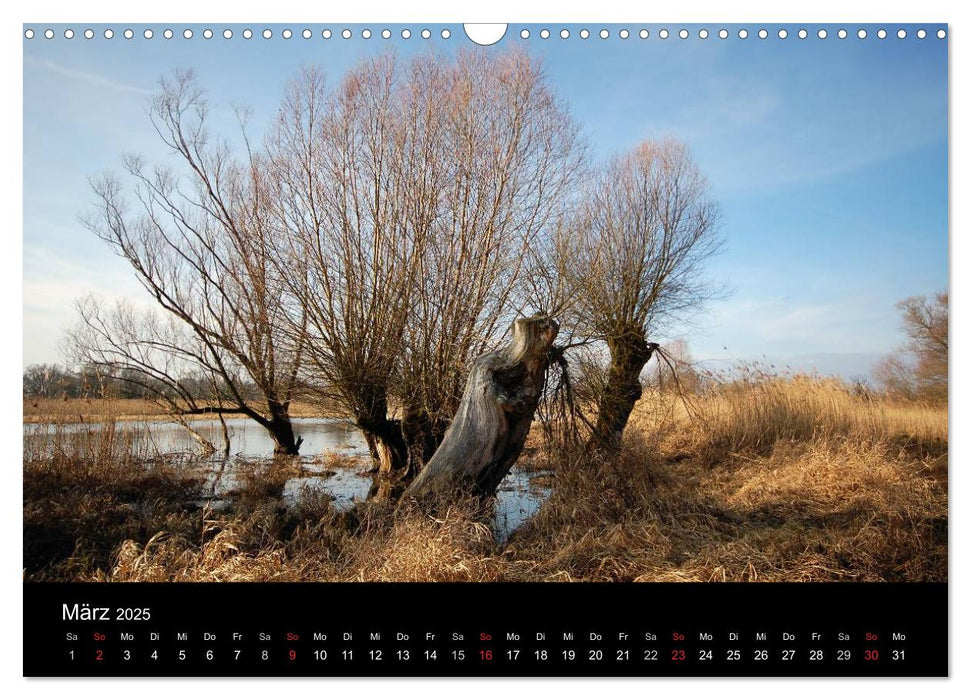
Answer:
(782, 480)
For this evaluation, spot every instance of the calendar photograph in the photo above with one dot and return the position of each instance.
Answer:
(583, 304)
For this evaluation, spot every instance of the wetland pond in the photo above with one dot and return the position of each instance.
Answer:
(333, 461)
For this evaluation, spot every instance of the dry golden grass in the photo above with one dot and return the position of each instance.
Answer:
(756, 412)
(779, 480)
(67, 410)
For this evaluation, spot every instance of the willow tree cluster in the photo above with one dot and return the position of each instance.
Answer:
(382, 233)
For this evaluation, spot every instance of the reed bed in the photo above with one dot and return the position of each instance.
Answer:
(774, 479)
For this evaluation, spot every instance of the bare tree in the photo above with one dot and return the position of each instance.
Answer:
(49, 381)
(411, 194)
(200, 245)
(634, 259)
(509, 155)
(920, 369)
(339, 164)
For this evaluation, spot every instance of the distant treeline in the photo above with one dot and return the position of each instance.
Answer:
(52, 381)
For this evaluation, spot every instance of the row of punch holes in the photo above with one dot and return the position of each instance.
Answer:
(446, 33)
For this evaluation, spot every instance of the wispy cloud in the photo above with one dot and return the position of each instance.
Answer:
(802, 323)
(52, 282)
(75, 74)
(752, 327)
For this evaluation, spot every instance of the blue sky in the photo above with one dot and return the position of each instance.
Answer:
(828, 157)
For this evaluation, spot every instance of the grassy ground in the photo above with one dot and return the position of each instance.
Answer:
(40, 410)
(764, 480)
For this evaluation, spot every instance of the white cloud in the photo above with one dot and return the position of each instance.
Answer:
(801, 323)
(51, 285)
(749, 327)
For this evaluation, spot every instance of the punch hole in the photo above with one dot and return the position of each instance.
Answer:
(584, 33)
(486, 34)
(722, 33)
(426, 34)
(564, 33)
(29, 34)
(327, 34)
(109, 33)
(604, 33)
(941, 33)
(783, 34)
(821, 34)
(644, 34)
(207, 34)
(68, 33)
(405, 33)
(187, 34)
(168, 33)
(663, 33)
(287, 33)
(703, 34)
(623, 34)
(763, 34)
(129, 34)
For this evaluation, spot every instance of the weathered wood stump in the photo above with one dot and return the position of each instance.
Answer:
(493, 419)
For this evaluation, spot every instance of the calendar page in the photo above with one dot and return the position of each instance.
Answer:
(485, 350)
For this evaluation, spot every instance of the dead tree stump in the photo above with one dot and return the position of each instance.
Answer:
(493, 419)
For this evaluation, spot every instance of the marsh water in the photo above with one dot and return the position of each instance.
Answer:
(333, 462)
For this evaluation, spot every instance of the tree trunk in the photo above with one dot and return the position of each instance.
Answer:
(493, 418)
(281, 429)
(207, 447)
(422, 435)
(385, 444)
(628, 355)
(383, 435)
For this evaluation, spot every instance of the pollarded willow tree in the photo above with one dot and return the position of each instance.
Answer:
(199, 241)
(411, 192)
(633, 259)
(340, 172)
(511, 156)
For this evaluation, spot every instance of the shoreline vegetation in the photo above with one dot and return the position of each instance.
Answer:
(94, 410)
(760, 479)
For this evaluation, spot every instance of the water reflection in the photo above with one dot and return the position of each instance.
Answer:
(247, 439)
(333, 463)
